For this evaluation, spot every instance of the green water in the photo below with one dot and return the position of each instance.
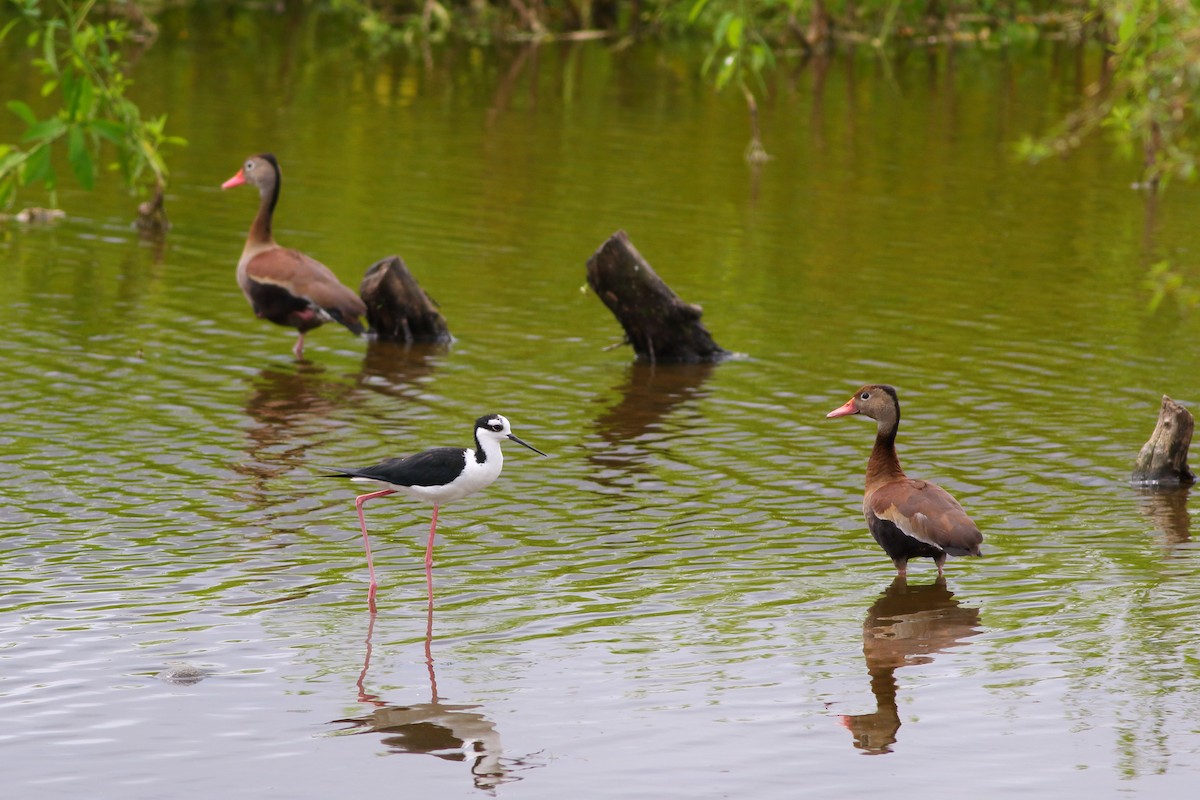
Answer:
(674, 604)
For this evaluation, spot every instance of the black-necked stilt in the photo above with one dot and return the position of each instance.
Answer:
(439, 476)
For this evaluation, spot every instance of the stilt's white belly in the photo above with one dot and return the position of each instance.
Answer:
(474, 477)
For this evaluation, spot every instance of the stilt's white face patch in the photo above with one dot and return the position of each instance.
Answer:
(498, 425)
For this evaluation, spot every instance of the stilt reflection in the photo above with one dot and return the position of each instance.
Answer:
(906, 625)
(449, 731)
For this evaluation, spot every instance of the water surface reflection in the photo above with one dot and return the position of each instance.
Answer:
(1168, 511)
(396, 370)
(449, 731)
(287, 406)
(905, 626)
(649, 393)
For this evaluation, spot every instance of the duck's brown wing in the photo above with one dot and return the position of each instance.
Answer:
(274, 273)
(927, 513)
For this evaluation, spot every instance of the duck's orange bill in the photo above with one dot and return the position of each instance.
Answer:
(842, 411)
(236, 180)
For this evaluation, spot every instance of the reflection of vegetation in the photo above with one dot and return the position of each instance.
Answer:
(1146, 97)
(1166, 283)
(85, 69)
(739, 54)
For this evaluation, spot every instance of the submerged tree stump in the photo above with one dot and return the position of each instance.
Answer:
(152, 215)
(398, 309)
(661, 327)
(1163, 459)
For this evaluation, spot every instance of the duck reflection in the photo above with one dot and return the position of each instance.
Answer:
(449, 731)
(289, 406)
(1168, 511)
(648, 394)
(906, 625)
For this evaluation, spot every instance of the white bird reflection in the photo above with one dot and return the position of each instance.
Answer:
(449, 731)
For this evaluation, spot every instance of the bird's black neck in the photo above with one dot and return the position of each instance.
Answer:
(480, 454)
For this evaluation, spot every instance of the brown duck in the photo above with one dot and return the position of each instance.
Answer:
(908, 518)
(285, 286)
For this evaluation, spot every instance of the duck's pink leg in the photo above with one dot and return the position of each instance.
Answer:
(358, 503)
(298, 348)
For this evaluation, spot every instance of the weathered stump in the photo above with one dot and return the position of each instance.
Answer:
(1163, 459)
(661, 327)
(152, 216)
(398, 309)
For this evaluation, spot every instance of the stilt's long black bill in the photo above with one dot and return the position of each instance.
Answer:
(531, 447)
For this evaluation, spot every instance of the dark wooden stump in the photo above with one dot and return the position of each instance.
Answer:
(152, 216)
(661, 327)
(398, 309)
(1163, 459)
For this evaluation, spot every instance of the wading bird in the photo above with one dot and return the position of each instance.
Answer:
(908, 518)
(285, 286)
(439, 476)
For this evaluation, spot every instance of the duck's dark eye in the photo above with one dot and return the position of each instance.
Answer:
(249, 165)
(865, 396)
(496, 426)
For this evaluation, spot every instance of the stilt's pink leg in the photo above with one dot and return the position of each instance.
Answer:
(358, 503)
(298, 348)
(429, 547)
(429, 639)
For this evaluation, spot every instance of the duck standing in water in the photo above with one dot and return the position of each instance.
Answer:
(908, 518)
(285, 286)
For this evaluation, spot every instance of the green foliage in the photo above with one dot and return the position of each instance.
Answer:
(1166, 283)
(84, 69)
(387, 25)
(1149, 104)
(738, 53)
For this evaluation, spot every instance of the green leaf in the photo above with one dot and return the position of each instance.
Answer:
(70, 90)
(728, 67)
(49, 53)
(87, 99)
(697, 7)
(9, 161)
(79, 94)
(11, 23)
(733, 34)
(112, 131)
(48, 87)
(722, 26)
(80, 158)
(38, 167)
(1128, 27)
(46, 129)
(22, 110)
(8, 190)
